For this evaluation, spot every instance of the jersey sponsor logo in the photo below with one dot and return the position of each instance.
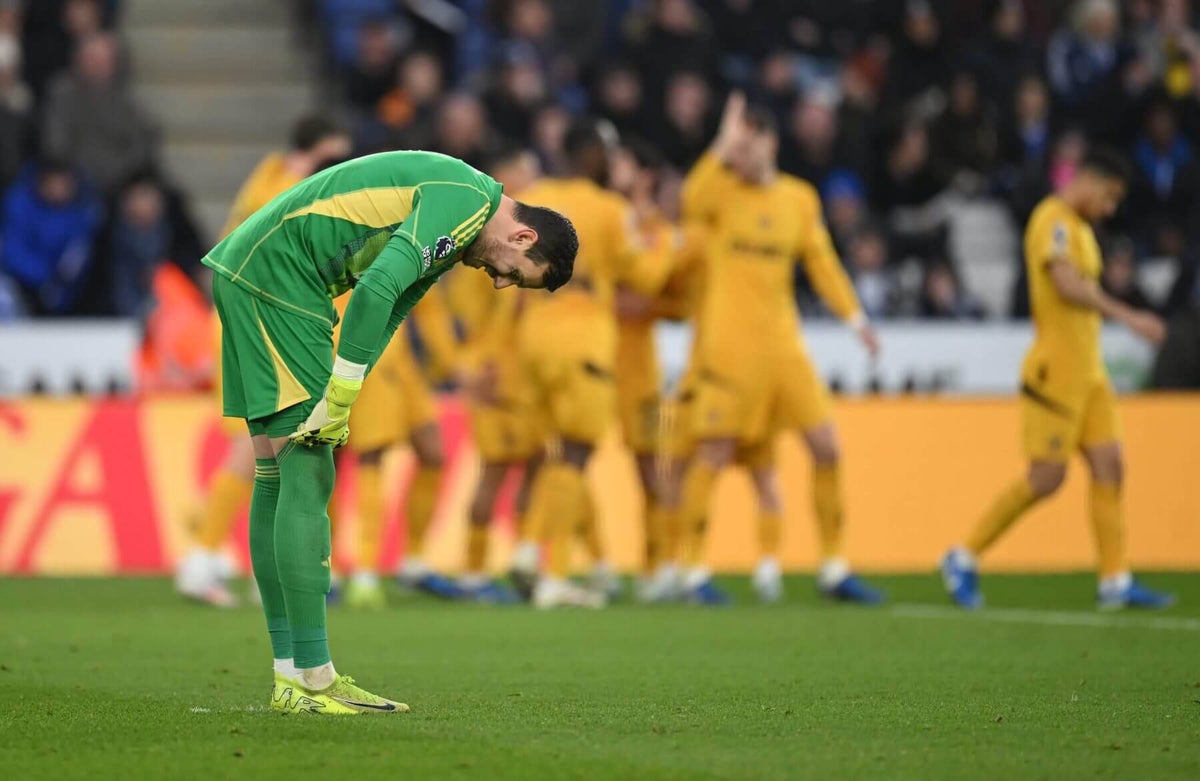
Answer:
(443, 247)
(1059, 237)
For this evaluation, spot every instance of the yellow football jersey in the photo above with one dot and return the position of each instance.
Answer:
(1067, 336)
(756, 234)
(269, 178)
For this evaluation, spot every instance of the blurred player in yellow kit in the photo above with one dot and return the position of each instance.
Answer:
(401, 406)
(567, 348)
(1067, 400)
(203, 572)
(753, 375)
(503, 428)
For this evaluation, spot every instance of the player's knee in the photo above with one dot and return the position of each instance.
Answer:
(717, 453)
(823, 444)
(1107, 465)
(1046, 479)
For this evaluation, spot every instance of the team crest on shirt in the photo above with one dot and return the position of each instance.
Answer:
(426, 258)
(443, 247)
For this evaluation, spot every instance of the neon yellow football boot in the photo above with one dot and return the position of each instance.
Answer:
(341, 698)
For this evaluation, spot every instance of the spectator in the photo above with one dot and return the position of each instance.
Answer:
(687, 127)
(15, 103)
(1087, 65)
(1164, 188)
(908, 192)
(1003, 55)
(1170, 48)
(549, 130)
(921, 63)
(943, 298)
(52, 33)
(777, 87)
(620, 98)
(373, 69)
(809, 149)
(93, 121)
(673, 36)
(845, 207)
(1119, 278)
(1027, 135)
(404, 116)
(867, 264)
(50, 219)
(965, 134)
(519, 88)
(743, 29)
(345, 21)
(461, 128)
(138, 242)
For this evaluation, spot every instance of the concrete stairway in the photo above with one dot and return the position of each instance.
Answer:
(225, 79)
(987, 247)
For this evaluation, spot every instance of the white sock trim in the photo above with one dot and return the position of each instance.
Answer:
(286, 668)
(832, 573)
(1116, 584)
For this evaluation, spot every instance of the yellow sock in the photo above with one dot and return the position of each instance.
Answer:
(668, 548)
(589, 528)
(770, 534)
(827, 501)
(477, 547)
(370, 515)
(1109, 527)
(655, 520)
(697, 490)
(422, 499)
(228, 493)
(565, 497)
(1007, 507)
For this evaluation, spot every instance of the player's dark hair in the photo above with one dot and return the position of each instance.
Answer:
(761, 119)
(1107, 162)
(557, 242)
(312, 130)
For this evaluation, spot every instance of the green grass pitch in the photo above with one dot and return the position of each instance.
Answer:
(119, 679)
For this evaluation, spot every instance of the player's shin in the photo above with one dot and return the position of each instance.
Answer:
(422, 501)
(263, 508)
(1108, 525)
(1002, 513)
(369, 478)
(302, 548)
(697, 491)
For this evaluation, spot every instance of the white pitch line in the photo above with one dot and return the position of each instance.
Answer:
(1048, 618)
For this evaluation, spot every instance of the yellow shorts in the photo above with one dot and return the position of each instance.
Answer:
(638, 402)
(678, 441)
(567, 350)
(1058, 421)
(395, 400)
(751, 399)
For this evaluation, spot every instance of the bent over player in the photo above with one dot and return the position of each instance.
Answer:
(389, 226)
(1067, 400)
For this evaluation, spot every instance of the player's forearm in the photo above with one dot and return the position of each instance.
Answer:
(365, 328)
(703, 185)
(1086, 294)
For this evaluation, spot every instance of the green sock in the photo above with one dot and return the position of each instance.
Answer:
(263, 503)
(302, 547)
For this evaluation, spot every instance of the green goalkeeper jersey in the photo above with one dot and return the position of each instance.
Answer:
(392, 223)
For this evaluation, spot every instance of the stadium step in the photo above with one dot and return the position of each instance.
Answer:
(261, 54)
(212, 170)
(201, 12)
(231, 113)
(210, 215)
(984, 240)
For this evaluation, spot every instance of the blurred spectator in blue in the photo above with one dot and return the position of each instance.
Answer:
(139, 240)
(620, 98)
(686, 128)
(345, 20)
(1004, 53)
(920, 64)
(52, 31)
(371, 71)
(1027, 132)
(965, 134)
(875, 282)
(15, 105)
(517, 90)
(92, 119)
(776, 87)
(844, 201)
(1093, 72)
(1164, 189)
(943, 297)
(50, 219)
(403, 118)
(1119, 277)
(668, 37)
(461, 128)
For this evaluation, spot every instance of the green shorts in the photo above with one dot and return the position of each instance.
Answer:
(274, 364)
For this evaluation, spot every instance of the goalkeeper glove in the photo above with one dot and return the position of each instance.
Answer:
(329, 422)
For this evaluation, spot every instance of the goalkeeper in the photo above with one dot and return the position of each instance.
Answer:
(389, 226)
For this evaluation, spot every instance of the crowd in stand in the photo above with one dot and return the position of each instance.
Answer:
(897, 110)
